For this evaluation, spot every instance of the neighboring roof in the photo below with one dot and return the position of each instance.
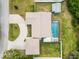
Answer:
(48, 0)
(47, 58)
(41, 23)
(32, 47)
(56, 7)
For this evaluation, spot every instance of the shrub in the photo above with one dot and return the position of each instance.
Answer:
(73, 6)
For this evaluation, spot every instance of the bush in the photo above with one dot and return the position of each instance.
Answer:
(16, 54)
(73, 6)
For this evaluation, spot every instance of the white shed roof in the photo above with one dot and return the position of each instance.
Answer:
(41, 23)
(56, 7)
(48, 0)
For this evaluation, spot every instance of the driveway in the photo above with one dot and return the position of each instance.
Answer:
(19, 42)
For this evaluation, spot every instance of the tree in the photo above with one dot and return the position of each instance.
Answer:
(16, 54)
(73, 7)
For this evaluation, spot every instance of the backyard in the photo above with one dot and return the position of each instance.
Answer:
(44, 7)
(20, 6)
(50, 50)
(67, 34)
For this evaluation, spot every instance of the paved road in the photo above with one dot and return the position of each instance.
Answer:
(4, 25)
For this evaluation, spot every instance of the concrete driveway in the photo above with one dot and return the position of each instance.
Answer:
(19, 42)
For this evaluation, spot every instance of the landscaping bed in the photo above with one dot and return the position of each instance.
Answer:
(14, 31)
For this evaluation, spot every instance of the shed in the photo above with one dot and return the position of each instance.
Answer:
(56, 7)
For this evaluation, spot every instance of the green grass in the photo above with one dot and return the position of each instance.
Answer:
(23, 6)
(44, 7)
(49, 50)
(13, 31)
(16, 54)
(68, 37)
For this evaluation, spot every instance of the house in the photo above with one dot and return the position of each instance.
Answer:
(41, 27)
(56, 7)
(40, 23)
(48, 0)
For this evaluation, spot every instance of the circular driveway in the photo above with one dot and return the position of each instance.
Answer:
(19, 42)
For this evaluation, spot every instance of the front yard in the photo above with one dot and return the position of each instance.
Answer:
(16, 54)
(14, 31)
(20, 6)
(43, 7)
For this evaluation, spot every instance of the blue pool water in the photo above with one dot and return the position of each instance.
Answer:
(55, 29)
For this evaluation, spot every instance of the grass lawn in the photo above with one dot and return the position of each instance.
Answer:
(44, 7)
(49, 50)
(13, 31)
(20, 6)
(68, 35)
(68, 38)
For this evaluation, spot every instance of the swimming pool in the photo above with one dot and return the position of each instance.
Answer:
(55, 29)
(54, 32)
